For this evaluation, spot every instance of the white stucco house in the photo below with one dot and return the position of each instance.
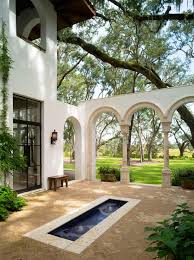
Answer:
(34, 112)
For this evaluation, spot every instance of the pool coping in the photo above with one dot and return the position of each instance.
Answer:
(41, 234)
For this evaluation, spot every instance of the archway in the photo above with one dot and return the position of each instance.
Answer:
(108, 142)
(181, 139)
(144, 143)
(91, 138)
(72, 148)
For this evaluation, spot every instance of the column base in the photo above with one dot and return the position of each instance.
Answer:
(166, 180)
(124, 175)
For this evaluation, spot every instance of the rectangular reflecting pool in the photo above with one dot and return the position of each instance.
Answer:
(78, 226)
(76, 231)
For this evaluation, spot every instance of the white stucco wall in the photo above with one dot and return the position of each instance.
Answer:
(55, 116)
(34, 71)
(125, 105)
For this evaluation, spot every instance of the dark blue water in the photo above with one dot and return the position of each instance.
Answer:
(78, 226)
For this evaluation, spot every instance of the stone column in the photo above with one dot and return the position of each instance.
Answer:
(124, 168)
(166, 180)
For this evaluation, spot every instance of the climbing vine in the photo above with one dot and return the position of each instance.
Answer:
(5, 67)
(10, 157)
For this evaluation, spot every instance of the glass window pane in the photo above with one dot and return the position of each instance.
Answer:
(20, 180)
(33, 135)
(34, 176)
(20, 132)
(34, 154)
(19, 108)
(33, 111)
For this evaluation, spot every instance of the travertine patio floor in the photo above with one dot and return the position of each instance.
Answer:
(123, 241)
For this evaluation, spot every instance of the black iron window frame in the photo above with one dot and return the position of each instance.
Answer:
(30, 123)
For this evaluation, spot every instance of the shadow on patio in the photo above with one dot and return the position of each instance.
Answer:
(124, 240)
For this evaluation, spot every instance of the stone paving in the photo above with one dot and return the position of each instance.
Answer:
(123, 241)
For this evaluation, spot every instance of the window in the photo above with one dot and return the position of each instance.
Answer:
(27, 130)
(28, 23)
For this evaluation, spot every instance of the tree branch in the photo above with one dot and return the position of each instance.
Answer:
(106, 141)
(149, 73)
(134, 66)
(103, 17)
(157, 17)
(165, 17)
(70, 70)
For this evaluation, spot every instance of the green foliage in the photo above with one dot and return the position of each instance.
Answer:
(149, 43)
(174, 237)
(9, 202)
(178, 173)
(5, 66)
(10, 156)
(4, 213)
(106, 170)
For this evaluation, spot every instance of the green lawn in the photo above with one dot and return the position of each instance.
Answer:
(148, 174)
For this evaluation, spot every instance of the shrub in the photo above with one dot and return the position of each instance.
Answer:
(9, 202)
(106, 170)
(11, 158)
(174, 237)
(178, 173)
(3, 213)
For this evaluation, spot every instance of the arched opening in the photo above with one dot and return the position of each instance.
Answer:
(145, 144)
(72, 148)
(103, 133)
(28, 23)
(181, 141)
(108, 142)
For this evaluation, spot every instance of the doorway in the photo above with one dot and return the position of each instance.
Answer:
(27, 130)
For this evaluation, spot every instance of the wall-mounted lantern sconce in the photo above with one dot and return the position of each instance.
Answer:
(54, 137)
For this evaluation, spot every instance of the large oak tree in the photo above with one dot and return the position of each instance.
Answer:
(140, 36)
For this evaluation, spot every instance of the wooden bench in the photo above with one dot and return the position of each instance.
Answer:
(53, 181)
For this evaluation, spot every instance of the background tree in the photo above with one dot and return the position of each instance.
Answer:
(132, 46)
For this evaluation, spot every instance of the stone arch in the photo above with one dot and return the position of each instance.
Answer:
(26, 21)
(78, 145)
(104, 109)
(139, 106)
(29, 27)
(91, 139)
(170, 112)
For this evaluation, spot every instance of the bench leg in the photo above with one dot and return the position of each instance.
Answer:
(61, 183)
(55, 185)
(50, 184)
(66, 182)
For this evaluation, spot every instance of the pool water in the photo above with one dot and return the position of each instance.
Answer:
(78, 226)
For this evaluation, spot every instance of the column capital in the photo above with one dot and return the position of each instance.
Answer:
(166, 126)
(124, 129)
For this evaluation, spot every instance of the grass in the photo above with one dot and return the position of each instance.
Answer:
(147, 174)
(69, 166)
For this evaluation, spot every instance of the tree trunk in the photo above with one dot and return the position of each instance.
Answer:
(129, 142)
(141, 152)
(150, 153)
(188, 118)
(5, 179)
(135, 75)
(181, 151)
(182, 148)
